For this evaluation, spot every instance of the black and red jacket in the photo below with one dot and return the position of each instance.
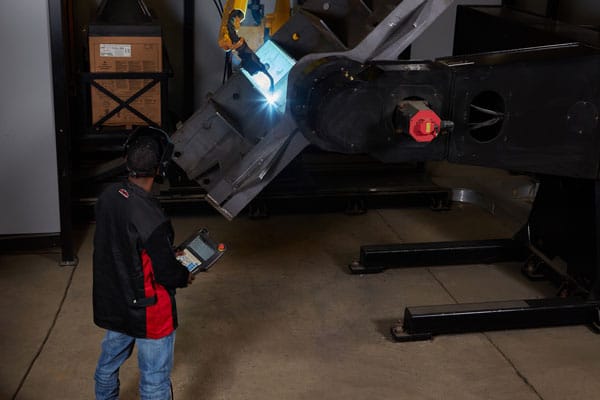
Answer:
(135, 270)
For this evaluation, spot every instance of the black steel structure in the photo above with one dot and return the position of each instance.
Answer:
(189, 61)
(59, 34)
(561, 239)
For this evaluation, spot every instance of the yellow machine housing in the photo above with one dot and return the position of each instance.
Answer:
(225, 40)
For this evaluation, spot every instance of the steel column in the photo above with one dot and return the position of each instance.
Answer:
(188, 58)
(60, 72)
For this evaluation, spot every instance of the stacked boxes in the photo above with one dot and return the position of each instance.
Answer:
(121, 48)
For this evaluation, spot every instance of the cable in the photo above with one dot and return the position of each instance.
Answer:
(219, 8)
(39, 352)
(227, 66)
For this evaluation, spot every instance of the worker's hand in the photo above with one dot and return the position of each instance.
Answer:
(191, 278)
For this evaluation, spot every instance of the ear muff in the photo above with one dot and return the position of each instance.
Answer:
(164, 142)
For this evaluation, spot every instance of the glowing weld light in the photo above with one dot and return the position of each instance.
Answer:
(262, 82)
(272, 98)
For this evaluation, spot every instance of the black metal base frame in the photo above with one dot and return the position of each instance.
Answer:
(423, 322)
(564, 224)
(376, 258)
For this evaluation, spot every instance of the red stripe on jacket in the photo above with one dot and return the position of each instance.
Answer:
(159, 317)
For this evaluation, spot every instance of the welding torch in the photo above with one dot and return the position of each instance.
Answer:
(250, 61)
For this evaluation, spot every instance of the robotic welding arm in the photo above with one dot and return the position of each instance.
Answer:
(236, 144)
(234, 13)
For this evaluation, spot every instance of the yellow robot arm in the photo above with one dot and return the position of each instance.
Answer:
(279, 17)
(233, 15)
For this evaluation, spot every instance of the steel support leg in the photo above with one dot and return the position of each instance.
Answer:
(376, 258)
(423, 322)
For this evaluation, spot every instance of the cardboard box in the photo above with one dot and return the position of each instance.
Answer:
(126, 54)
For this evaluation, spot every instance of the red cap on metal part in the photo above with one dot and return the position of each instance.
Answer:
(425, 126)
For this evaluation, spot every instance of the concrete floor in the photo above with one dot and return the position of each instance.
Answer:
(280, 318)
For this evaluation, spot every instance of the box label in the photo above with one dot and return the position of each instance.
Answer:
(115, 50)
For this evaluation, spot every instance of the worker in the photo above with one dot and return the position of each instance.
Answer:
(135, 273)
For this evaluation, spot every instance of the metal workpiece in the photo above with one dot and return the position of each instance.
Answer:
(399, 30)
(348, 21)
(397, 26)
(221, 139)
(231, 166)
(245, 179)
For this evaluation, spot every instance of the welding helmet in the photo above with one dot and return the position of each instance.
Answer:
(148, 151)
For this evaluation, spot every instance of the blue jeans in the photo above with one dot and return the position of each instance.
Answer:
(155, 360)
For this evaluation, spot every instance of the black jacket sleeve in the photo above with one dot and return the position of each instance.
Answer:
(167, 270)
